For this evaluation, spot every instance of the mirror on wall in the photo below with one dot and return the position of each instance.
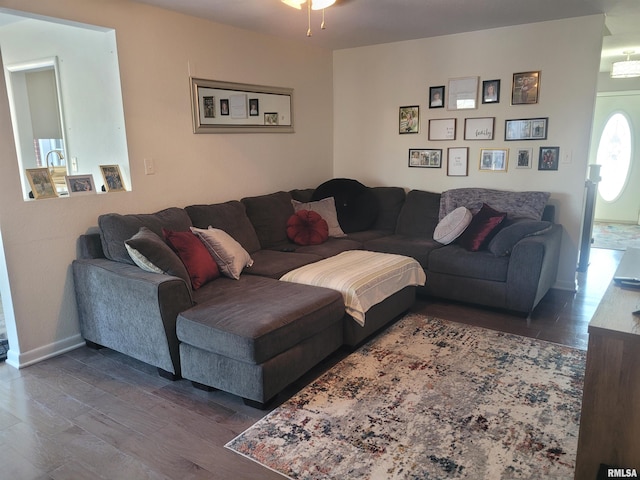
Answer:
(63, 84)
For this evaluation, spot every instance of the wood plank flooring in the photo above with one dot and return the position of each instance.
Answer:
(100, 415)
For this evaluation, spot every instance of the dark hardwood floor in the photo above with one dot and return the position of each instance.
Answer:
(100, 415)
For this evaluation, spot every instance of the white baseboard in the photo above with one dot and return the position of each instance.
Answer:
(568, 286)
(21, 360)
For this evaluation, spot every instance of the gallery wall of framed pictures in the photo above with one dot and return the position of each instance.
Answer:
(451, 119)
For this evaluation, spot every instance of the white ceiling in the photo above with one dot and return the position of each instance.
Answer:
(353, 23)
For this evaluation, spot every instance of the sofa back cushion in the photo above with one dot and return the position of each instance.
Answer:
(419, 214)
(390, 202)
(115, 229)
(268, 215)
(528, 205)
(229, 216)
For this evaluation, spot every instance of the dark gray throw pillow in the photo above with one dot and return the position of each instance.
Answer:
(151, 253)
(504, 241)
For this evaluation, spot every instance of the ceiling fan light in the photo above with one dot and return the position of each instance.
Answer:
(626, 69)
(294, 3)
(320, 4)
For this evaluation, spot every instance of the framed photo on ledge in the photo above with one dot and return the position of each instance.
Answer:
(425, 158)
(112, 178)
(80, 184)
(41, 183)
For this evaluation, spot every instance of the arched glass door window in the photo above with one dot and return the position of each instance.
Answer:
(614, 156)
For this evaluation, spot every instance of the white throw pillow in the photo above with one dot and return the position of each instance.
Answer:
(452, 225)
(326, 208)
(230, 256)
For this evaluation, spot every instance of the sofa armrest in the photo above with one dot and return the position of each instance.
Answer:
(134, 312)
(533, 267)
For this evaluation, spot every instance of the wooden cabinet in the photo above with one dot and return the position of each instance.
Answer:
(610, 420)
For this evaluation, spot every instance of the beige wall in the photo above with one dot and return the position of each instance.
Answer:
(370, 83)
(158, 50)
(356, 137)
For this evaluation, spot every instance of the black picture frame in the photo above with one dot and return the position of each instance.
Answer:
(436, 97)
(491, 91)
(549, 158)
(409, 119)
(526, 129)
(425, 157)
(254, 107)
(224, 106)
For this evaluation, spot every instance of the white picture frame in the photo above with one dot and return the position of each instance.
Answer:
(442, 129)
(524, 157)
(458, 162)
(479, 128)
(462, 93)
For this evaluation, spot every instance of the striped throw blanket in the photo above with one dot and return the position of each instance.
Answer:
(364, 278)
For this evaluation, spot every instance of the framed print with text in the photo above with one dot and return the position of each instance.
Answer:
(442, 129)
(494, 160)
(463, 93)
(409, 119)
(525, 88)
(478, 128)
(458, 162)
(425, 158)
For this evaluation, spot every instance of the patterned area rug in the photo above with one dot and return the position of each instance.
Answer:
(430, 399)
(615, 236)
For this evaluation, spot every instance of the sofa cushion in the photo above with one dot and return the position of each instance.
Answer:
(457, 261)
(326, 208)
(516, 204)
(229, 216)
(419, 214)
(228, 254)
(390, 201)
(151, 253)
(115, 229)
(452, 225)
(356, 204)
(274, 264)
(415, 247)
(196, 258)
(254, 328)
(484, 225)
(307, 228)
(504, 241)
(268, 215)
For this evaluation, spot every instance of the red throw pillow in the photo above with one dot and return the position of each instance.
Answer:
(200, 265)
(306, 227)
(484, 225)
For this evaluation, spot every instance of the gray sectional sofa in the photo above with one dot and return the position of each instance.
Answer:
(254, 335)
